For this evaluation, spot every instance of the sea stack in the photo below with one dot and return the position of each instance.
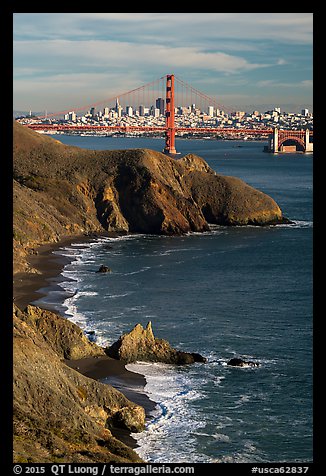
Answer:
(140, 345)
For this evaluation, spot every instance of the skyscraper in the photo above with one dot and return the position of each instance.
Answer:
(72, 116)
(118, 108)
(160, 105)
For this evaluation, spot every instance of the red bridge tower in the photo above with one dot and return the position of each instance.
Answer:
(169, 114)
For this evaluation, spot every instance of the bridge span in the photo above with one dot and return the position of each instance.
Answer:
(278, 140)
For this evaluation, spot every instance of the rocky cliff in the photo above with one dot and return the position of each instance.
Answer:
(60, 415)
(61, 190)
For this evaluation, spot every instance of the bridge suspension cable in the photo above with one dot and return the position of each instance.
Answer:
(185, 95)
(209, 100)
(144, 89)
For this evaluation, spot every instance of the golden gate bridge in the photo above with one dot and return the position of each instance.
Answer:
(174, 90)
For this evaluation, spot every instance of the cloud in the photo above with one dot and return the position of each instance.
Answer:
(100, 54)
(59, 54)
(71, 91)
(183, 28)
(70, 74)
(307, 83)
(281, 85)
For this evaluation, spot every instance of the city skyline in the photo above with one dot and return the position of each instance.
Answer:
(247, 60)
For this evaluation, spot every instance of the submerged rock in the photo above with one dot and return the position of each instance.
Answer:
(236, 362)
(198, 357)
(104, 269)
(140, 344)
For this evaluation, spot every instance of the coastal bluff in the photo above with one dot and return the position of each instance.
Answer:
(61, 191)
(59, 415)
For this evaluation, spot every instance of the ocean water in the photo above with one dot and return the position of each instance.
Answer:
(230, 292)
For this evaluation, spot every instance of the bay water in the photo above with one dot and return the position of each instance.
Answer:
(229, 292)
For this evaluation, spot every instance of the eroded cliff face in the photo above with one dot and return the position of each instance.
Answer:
(64, 337)
(61, 190)
(60, 415)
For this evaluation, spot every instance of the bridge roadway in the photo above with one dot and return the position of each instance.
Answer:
(71, 127)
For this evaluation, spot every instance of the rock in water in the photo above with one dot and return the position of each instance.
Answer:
(140, 344)
(198, 358)
(236, 362)
(103, 269)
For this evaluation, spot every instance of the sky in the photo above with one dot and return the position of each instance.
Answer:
(244, 60)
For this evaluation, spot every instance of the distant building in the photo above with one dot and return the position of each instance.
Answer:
(182, 110)
(305, 112)
(160, 105)
(239, 115)
(210, 111)
(156, 112)
(142, 110)
(118, 108)
(129, 111)
(71, 116)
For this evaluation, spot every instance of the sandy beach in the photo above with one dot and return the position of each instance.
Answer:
(28, 287)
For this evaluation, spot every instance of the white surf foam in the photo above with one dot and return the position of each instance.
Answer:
(175, 421)
(218, 229)
(81, 254)
(297, 224)
(73, 314)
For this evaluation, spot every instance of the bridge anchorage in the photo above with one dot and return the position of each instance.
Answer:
(289, 141)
